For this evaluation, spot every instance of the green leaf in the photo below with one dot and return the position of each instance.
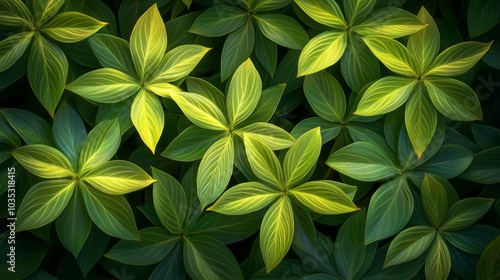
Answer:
(47, 71)
(106, 85)
(154, 245)
(485, 167)
(200, 110)
(434, 200)
(283, 30)
(207, 258)
(264, 163)
(245, 198)
(409, 245)
(438, 261)
(363, 161)
(266, 52)
(328, 131)
(202, 87)
(163, 89)
(148, 42)
(458, 59)
(171, 266)
(218, 21)
(325, 12)
(391, 22)
(215, 170)
(390, 209)
(482, 16)
(393, 55)
(71, 27)
(450, 161)
(69, 132)
(321, 52)
(454, 99)
(266, 106)
(148, 118)
(112, 52)
(179, 62)
(44, 161)
(170, 201)
(237, 48)
(12, 48)
(487, 266)
(326, 96)
(269, 5)
(424, 45)
(473, 239)
(357, 10)
(45, 9)
(276, 232)
(301, 157)
(112, 214)
(100, 145)
(271, 135)
(420, 120)
(323, 197)
(243, 94)
(15, 13)
(31, 128)
(466, 212)
(43, 203)
(486, 136)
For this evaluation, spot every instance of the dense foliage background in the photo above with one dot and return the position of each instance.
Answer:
(250, 139)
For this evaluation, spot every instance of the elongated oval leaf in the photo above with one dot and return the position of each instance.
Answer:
(268, 102)
(218, 21)
(283, 30)
(326, 96)
(69, 132)
(112, 52)
(46, 9)
(325, 12)
(409, 245)
(15, 13)
(450, 161)
(271, 135)
(482, 16)
(302, 157)
(424, 45)
(264, 163)
(179, 62)
(200, 86)
(44, 161)
(466, 212)
(488, 263)
(420, 120)
(485, 167)
(237, 48)
(434, 200)
(12, 48)
(148, 118)
(31, 128)
(322, 51)
(473, 239)
(357, 10)
(100, 145)
(391, 22)
(71, 27)
(438, 261)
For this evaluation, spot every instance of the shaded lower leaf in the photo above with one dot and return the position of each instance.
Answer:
(438, 261)
(409, 245)
(485, 167)
(487, 266)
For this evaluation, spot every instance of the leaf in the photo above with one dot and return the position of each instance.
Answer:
(268, 102)
(264, 163)
(47, 71)
(363, 161)
(207, 258)
(71, 27)
(424, 45)
(15, 13)
(409, 245)
(45, 9)
(283, 30)
(243, 94)
(163, 89)
(106, 85)
(458, 59)
(215, 170)
(218, 21)
(482, 16)
(237, 48)
(301, 157)
(484, 168)
(450, 161)
(112, 214)
(323, 197)
(393, 55)
(112, 52)
(473, 239)
(276, 232)
(100, 145)
(465, 213)
(69, 132)
(154, 245)
(391, 22)
(44, 161)
(266, 52)
(269, 5)
(31, 128)
(434, 200)
(357, 10)
(421, 121)
(202, 87)
(43, 203)
(200, 110)
(326, 96)
(245, 198)
(171, 266)
(486, 136)
(170, 201)
(271, 135)
(325, 12)
(390, 209)
(488, 263)
(321, 52)
(148, 42)
(328, 130)
(12, 48)
(438, 261)
(148, 118)
(179, 62)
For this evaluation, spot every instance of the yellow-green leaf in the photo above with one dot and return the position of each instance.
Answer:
(163, 89)
(72, 27)
(44, 161)
(424, 45)
(390, 22)
(283, 30)
(325, 12)
(264, 163)
(45, 9)
(12, 48)
(438, 261)
(421, 120)
(322, 51)
(100, 145)
(148, 118)
(409, 245)
(179, 62)
(15, 13)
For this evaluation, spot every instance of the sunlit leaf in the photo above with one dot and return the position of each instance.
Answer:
(302, 157)
(71, 27)
(325, 12)
(12, 48)
(322, 51)
(390, 22)
(44, 161)
(179, 62)
(264, 163)
(148, 118)
(424, 45)
(100, 145)
(393, 55)
(420, 120)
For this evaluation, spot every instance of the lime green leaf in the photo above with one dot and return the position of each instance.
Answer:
(100, 145)
(12, 48)
(485, 167)
(15, 13)
(438, 261)
(302, 157)
(218, 21)
(207, 258)
(420, 120)
(271, 135)
(200, 110)
(434, 200)
(466, 212)
(245, 198)
(45, 9)
(112, 52)
(283, 30)
(179, 62)
(148, 118)
(482, 16)
(266, 106)
(322, 51)
(31, 128)
(71, 27)
(47, 71)
(215, 170)
(458, 59)
(44, 161)
(163, 89)
(357, 10)
(424, 45)
(170, 201)
(237, 48)
(487, 266)
(69, 132)
(326, 96)
(154, 245)
(391, 22)
(43, 203)
(263, 161)
(105, 85)
(148, 42)
(409, 245)
(363, 161)
(393, 55)
(323, 197)
(454, 99)
(243, 94)
(202, 87)
(111, 213)
(325, 12)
